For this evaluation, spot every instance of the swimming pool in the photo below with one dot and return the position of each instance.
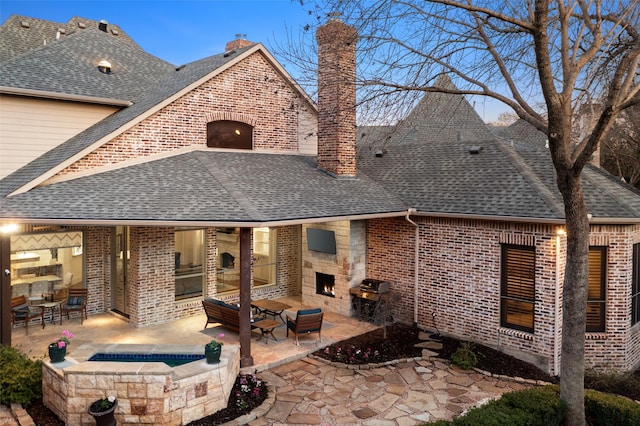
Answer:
(172, 360)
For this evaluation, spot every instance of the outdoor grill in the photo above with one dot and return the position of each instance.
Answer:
(375, 286)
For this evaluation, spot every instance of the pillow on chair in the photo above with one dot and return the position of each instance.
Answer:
(309, 311)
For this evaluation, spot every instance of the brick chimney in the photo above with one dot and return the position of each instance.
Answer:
(240, 42)
(337, 98)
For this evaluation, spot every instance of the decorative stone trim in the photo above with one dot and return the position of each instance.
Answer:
(230, 116)
(516, 333)
(595, 336)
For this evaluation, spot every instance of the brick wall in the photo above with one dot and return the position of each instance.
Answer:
(251, 87)
(459, 280)
(337, 98)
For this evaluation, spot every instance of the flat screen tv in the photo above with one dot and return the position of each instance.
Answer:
(321, 240)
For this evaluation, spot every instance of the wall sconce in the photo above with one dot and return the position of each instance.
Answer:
(104, 67)
(561, 231)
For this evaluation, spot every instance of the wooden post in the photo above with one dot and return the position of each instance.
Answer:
(5, 290)
(246, 360)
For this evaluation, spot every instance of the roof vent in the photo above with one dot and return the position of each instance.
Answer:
(25, 24)
(102, 26)
(114, 31)
(104, 67)
(380, 152)
(62, 31)
(476, 149)
(82, 25)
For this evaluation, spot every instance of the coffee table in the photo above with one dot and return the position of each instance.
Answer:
(270, 307)
(266, 327)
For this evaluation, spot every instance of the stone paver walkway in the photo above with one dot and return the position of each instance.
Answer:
(312, 392)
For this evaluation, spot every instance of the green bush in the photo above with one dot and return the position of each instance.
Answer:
(606, 409)
(529, 407)
(20, 377)
(464, 356)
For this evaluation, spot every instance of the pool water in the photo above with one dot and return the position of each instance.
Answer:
(172, 360)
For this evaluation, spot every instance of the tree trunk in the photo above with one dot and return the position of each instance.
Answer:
(574, 298)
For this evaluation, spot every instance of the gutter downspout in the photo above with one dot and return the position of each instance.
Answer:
(415, 263)
(556, 327)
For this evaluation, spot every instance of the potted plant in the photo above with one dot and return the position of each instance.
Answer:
(213, 350)
(103, 411)
(58, 348)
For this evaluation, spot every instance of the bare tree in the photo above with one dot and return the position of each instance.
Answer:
(542, 58)
(620, 149)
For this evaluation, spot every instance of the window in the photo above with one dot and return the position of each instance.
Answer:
(596, 302)
(635, 286)
(264, 256)
(189, 263)
(263, 262)
(517, 287)
(229, 134)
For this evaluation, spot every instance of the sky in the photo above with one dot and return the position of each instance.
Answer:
(187, 30)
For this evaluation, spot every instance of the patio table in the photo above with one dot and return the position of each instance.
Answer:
(266, 328)
(270, 307)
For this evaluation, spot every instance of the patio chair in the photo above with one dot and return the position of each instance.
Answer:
(76, 302)
(306, 321)
(21, 311)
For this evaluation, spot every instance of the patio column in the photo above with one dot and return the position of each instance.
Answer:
(246, 360)
(5, 290)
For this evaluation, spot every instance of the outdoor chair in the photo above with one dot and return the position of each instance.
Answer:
(21, 311)
(306, 321)
(76, 302)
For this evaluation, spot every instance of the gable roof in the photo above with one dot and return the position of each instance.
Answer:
(164, 91)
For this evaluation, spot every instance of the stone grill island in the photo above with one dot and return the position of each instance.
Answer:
(147, 392)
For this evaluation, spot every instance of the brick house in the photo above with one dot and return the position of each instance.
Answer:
(221, 178)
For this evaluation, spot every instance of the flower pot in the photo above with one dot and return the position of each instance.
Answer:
(106, 417)
(57, 354)
(212, 354)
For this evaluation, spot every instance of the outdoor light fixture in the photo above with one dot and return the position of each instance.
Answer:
(8, 228)
(561, 231)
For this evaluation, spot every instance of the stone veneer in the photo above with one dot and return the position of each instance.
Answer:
(347, 266)
(150, 393)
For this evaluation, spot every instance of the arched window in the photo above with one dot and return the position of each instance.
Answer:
(229, 134)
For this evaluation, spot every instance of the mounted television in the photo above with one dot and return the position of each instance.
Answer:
(321, 240)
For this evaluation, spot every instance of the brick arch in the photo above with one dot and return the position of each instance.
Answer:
(230, 116)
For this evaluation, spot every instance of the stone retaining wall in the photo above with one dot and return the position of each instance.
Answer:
(148, 393)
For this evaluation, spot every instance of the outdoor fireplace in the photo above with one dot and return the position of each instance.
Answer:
(325, 284)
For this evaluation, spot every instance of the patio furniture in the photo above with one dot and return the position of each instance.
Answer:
(21, 311)
(266, 328)
(223, 313)
(270, 307)
(76, 302)
(306, 321)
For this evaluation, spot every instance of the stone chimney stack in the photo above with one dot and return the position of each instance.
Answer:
(240, 42)
(337, 98)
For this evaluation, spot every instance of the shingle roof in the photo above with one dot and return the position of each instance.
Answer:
(426, 161)
(20, 34)
(70, 66)
(206, 186)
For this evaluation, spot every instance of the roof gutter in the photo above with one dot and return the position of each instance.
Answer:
(416, 253)
(190, 223)
(6, 90)
(302, 221)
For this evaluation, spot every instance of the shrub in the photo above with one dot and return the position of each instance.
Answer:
(20, 377)
(625, 384)
(465, 357)
(607, 409)
(530, 407)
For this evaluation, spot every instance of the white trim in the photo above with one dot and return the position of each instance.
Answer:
(45, 94)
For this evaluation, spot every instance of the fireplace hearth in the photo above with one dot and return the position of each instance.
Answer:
(325, 284)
